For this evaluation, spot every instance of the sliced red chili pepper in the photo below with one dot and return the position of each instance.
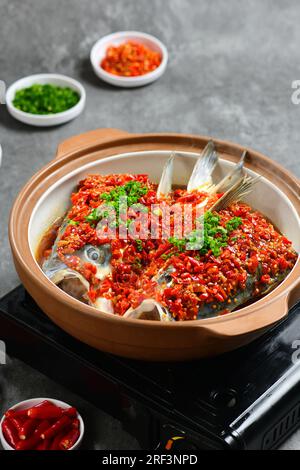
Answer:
(69, 440)
(44, 445)
(283, 263)
(43, 403)
(28, 444)
(33, 441)
(42, 426)
(71, 412)
(16, 413)
(76, 423)
(55, 443)
(45, 412)
(10, 433)
(62, 423)
(265, 279)
(17, 421)
(219, 297)
(23, 413)
(27, 428)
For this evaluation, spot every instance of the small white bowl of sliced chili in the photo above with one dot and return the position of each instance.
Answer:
(41, 424)
(129, 59)
(25, 104)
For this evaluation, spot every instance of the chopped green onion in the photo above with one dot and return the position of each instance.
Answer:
(45, 99)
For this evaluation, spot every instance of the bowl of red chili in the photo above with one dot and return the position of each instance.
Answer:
(41, 424)
(129, 58)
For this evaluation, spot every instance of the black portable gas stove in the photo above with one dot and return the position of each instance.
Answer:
(246, 399)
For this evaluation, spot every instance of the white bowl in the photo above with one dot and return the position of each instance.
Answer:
(45, 119)
(99, 49)
(35, 401)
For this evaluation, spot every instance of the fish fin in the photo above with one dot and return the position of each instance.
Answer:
(240, 189)
(204, 166)
(165, 184)
(229, 180)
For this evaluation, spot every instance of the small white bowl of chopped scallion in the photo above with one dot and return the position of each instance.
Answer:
(45, 99)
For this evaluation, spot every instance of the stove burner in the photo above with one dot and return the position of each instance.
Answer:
(245, 399)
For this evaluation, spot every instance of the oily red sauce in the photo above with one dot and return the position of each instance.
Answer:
(47, 241)
(198, 279)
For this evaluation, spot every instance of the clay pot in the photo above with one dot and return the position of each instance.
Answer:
(46, 196)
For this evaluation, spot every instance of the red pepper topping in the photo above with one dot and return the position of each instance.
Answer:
(252, 251)
(130, 59)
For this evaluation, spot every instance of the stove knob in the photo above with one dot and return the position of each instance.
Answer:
(179, 443)
(174, 440)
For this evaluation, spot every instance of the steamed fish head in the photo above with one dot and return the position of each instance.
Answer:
(98, 256)
(67, 279)
(72, 281)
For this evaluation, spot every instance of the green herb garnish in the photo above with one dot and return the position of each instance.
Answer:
(73, 222)
(45, 99)
(233, 224)
(117, 200)
(179, 243)
(137, 263)
(124, 196)
(213, 236)
(133, 190)
(166, 256)
(93, 216)
(139, 245)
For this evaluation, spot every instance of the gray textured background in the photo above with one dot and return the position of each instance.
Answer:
(229, 75)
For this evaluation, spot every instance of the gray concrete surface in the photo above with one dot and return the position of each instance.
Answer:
(229, 75)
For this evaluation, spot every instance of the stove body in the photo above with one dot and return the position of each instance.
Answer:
(245, 399)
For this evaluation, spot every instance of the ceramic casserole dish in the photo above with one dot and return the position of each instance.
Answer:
(46, 196)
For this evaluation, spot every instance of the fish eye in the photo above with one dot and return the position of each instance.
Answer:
(92, 253)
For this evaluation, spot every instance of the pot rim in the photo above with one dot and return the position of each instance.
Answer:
(42, 177)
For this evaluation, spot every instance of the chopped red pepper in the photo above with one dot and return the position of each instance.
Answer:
(265, 279)
(130, 59)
